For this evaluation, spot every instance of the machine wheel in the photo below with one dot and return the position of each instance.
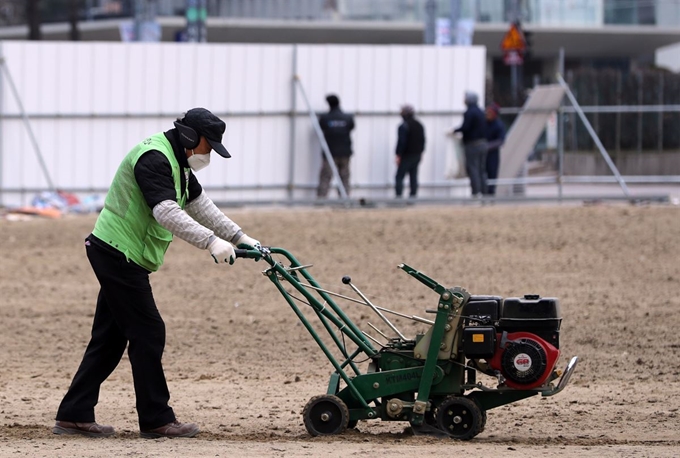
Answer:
(325, 415)
(459, 417)
(483, 420)
(483, 416)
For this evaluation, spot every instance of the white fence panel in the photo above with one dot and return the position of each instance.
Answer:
(89, 103)
(387, 77)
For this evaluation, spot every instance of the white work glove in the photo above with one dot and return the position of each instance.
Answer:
(251, 242)
(222, 251)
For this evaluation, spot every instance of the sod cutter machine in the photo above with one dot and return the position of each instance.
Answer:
(429, 380)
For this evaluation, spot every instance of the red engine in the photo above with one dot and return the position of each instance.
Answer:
(524, 359)
(517, 337)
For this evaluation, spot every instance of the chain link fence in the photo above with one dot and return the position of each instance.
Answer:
(631, 111)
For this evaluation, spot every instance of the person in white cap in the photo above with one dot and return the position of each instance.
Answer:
(153, 197)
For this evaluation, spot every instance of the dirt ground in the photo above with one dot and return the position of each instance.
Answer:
(239, 363)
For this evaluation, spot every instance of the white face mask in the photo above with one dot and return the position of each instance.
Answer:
(198, 161)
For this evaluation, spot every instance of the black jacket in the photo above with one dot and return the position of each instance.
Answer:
(495, 134)
(474, 125)
(336, 127)
(411, 137)
(153, 174)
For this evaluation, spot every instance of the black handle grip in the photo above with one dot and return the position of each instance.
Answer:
(250, 254)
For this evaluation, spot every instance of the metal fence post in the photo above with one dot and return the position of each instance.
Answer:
(640, 101)
(660, 117)
(560, 133)
(560, 152)
(291, 130)
(2, 125)
(619, 101)
(593, 135)
(27, 123)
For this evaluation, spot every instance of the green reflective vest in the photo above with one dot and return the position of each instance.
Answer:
(126, 222)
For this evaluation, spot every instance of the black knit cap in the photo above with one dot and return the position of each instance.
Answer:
(209, 126)
(333, 100)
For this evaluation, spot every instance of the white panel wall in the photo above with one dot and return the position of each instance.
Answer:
(89, 103)
(373, 82)
(668, 57)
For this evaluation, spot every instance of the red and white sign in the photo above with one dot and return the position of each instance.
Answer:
(514, 45)
(513, 58)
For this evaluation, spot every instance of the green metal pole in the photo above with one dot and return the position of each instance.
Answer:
(360, 340)
(337, 341)
(444, 308)
(340, 323)
(320, 343)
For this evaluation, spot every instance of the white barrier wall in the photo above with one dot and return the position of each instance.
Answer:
(89, 103)
(668, 57)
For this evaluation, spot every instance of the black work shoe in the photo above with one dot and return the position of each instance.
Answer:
(174, 429)
(84, 429)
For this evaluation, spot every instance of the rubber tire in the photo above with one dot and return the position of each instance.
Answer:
(325, 404)
(483, 420)
(455, 408)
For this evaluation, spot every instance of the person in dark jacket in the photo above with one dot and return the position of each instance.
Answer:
(474, 142)
(336, 127)
(410, 147)
(495, 136)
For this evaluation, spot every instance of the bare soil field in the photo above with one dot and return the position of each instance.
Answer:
(239, 363)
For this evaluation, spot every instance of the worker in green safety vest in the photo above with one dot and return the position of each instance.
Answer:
(153, 197)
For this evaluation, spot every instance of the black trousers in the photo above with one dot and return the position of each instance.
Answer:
(408, 164)
(492, 163)
(126, 314)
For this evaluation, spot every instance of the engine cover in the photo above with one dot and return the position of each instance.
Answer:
(524, 359)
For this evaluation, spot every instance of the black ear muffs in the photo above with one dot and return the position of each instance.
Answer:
(188, 137)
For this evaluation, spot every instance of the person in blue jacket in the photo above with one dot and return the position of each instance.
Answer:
(495, 136)
(474, 142)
